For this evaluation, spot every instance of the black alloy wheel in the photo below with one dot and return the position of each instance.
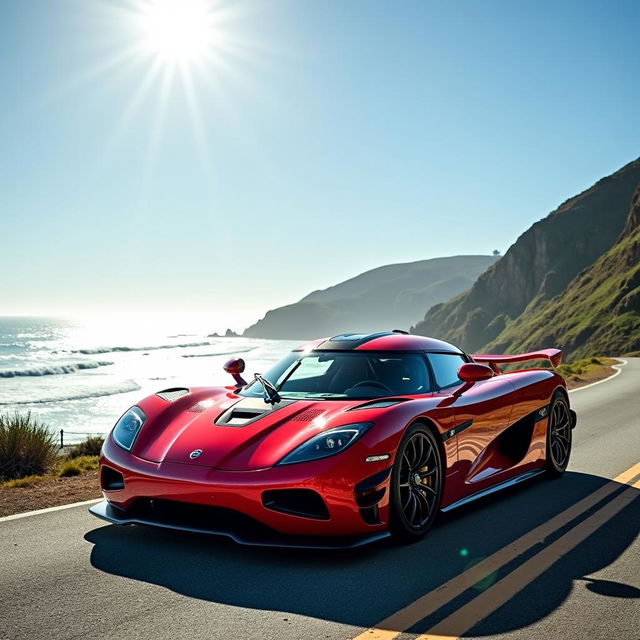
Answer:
(416, 484)
(559, 436)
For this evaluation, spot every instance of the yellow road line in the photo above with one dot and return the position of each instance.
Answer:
(429, 603)
(502, 591)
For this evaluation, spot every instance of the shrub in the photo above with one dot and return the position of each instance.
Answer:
(91, 446)
(76, 466)
(69, 468)
(26, 447)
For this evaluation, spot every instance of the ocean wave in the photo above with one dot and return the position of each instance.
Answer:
(96, 350)
(52, 370)
(219, 353)
(124, 387)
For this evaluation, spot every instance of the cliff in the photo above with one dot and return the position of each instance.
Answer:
(540, 265)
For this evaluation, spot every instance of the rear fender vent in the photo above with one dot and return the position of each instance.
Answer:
(171, 395)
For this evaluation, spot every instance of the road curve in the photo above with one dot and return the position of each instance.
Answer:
(66, 575)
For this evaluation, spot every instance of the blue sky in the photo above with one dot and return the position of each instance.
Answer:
(322, 139)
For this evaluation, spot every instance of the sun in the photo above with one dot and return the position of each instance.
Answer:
(177, 31)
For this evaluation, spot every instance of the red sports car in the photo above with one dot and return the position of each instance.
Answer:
(345, 441)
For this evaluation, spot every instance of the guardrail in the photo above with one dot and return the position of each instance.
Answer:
(63, 433)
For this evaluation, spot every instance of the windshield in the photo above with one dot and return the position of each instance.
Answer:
(345, 374)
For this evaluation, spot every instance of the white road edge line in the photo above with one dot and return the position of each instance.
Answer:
(617, 367)
(17, 516)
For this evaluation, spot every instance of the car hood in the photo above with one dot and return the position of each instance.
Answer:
(234, 433)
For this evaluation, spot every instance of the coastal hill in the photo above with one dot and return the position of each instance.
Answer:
(504, 308)
(389, 297)
(598, 312)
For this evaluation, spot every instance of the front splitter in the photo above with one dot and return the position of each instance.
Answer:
(270, 538)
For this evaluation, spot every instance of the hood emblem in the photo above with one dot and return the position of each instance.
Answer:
(196, 453)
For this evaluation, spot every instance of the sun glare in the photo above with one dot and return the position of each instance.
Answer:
(177, 31)
(171, 55)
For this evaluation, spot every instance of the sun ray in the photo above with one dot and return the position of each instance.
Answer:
(196, 121)
(157, 127)
(137, 100)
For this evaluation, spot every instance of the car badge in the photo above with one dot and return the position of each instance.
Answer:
(196, 453)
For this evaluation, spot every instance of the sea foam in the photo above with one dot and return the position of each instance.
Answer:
(53, 370)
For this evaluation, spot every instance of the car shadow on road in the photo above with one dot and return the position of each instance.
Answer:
(363, 586)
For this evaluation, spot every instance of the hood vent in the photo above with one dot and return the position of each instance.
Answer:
(307, 415)
(171, 395)
(199, 407)
(247, 411)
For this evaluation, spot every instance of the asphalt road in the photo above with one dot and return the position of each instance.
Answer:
(64, 574)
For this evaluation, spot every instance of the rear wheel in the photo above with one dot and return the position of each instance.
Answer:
(416, 484)
(559, 436)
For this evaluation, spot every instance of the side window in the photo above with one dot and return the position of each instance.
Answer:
(445, 368)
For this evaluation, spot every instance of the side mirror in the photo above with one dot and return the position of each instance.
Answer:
(235, 367)
(474, 372)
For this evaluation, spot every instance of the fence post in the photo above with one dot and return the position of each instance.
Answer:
(61, 438)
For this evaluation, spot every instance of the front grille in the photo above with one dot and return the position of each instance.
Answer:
(190, 515)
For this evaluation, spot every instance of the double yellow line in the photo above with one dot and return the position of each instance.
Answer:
(504, 589)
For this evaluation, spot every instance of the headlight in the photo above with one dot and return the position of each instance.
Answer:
(127, 428)
(327, 443)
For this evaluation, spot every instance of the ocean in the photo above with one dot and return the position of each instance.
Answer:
(81, 377)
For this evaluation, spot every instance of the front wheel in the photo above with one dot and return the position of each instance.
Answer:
(559, 436)
(416, 484)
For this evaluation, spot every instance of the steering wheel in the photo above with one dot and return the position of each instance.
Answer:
(373, 383)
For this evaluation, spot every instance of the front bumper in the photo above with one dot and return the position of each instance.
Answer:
(230, 503)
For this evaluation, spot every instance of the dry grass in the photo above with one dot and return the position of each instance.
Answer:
(585, 371)
(76, 466)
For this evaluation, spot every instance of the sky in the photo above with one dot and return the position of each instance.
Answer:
(232, 159)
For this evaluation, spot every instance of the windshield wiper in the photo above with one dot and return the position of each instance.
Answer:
(284, 380)
(271, 395)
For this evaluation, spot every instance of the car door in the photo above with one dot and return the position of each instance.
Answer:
(482, 411)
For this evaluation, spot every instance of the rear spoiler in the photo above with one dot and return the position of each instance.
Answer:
(554, 356)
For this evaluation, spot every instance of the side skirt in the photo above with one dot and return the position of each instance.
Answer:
(498, 487)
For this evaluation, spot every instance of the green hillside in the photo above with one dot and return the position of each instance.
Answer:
(598, 313)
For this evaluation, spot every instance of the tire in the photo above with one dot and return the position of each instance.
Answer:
(559, 436)
(416, 484)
